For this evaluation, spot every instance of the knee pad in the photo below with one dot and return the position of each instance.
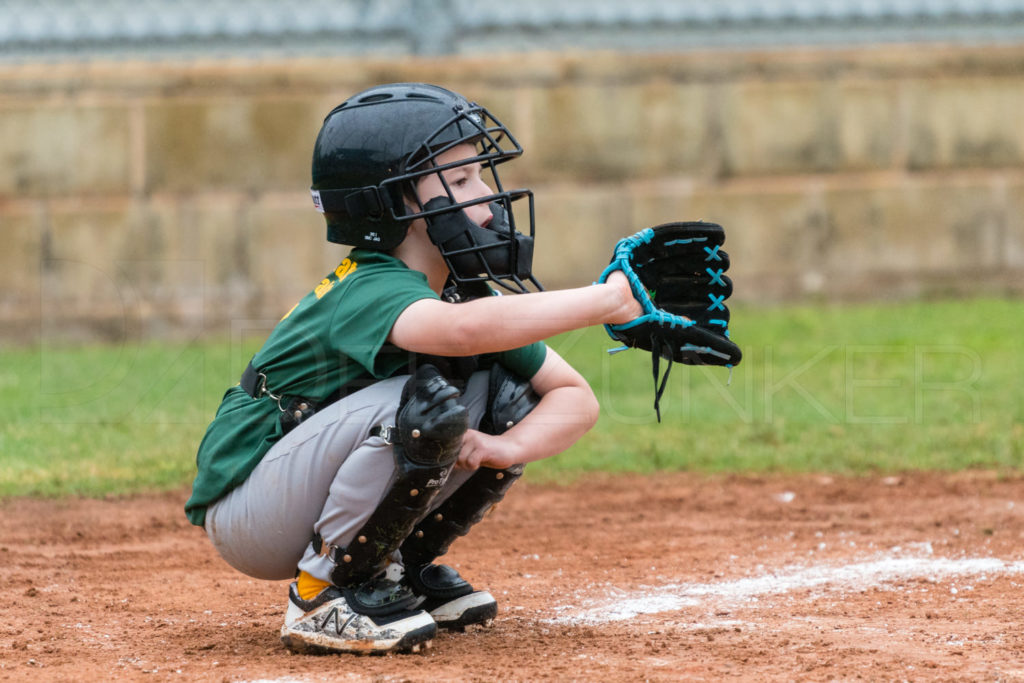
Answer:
(426, 438)
(430, 422)
(509, 399)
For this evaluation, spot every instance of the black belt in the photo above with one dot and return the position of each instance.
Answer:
(296, 409)
(254, 382)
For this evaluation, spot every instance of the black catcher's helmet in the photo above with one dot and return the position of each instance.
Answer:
(373, 148)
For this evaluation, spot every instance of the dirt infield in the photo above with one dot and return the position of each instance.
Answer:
(664, 578)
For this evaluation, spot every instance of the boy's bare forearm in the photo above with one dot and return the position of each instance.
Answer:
(562, 417)
(559, 420)
(500, 323)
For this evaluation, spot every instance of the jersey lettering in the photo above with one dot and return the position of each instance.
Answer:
(324, 287)
(346, 268)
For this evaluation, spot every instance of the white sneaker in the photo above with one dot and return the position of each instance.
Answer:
(327, 624)
(452, 602)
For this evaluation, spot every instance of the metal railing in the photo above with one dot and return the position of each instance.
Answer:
(87, 29)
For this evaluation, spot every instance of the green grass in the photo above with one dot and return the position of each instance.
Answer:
(855, 389)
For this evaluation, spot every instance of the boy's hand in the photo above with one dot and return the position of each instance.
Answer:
(629, 308)
(484, 450)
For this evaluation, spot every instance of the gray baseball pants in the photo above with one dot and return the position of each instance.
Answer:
(326, 476)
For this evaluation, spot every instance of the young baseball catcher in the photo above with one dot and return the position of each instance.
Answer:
(401, 397)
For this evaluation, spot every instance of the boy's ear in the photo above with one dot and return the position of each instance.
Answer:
(410, 196)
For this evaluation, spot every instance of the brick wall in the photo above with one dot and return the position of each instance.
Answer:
(171, 199)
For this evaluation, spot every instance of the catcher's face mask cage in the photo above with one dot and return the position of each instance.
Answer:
(499, 252)
(377, 215)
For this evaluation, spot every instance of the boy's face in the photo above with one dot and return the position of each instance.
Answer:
(465, 182)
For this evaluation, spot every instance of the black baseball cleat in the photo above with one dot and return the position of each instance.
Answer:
(330, 623)
(449, 599)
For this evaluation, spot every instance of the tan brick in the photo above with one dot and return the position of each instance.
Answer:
(119, 270)
(966, 122)
(237, 258)
(50, 151)
(653, 203)
(915, 227)
(1013, 239)
(779, 128)
(870, 125)
(180, 264)
(83, 270)
(20, 263)
(598, 131)
(123, 254)
(577, 227)
(199, 255)
(240, 143)
(289, 253)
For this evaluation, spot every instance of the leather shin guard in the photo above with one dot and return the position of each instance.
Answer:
(509, 400)
(429, 425)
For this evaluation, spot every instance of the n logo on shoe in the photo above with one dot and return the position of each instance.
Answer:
(335, 616)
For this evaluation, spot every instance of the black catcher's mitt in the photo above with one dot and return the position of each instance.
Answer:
(676, 272)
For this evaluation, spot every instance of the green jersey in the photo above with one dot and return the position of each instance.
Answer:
(334, 337)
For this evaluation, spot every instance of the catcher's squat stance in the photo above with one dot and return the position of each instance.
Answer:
(401, 397)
